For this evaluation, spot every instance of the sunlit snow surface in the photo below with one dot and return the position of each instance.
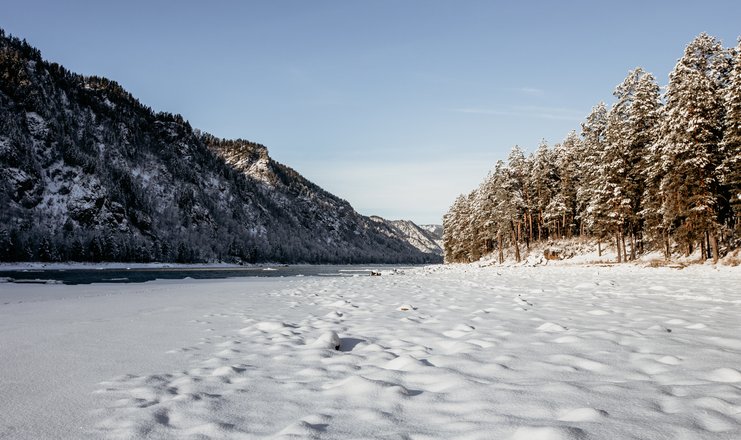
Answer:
(478, 353)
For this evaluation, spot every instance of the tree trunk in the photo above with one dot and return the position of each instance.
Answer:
(617, 246)
(622, 242)
(563, 225)
(519, 231)
(707, 245)
(599, 248)
(703, 247)
(667, 246)
(632, 246)
(514, 241)
(714, 247)
(499, 246)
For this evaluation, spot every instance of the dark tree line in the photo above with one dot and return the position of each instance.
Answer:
(650, 172)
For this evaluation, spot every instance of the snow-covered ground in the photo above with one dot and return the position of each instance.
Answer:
(620, 352)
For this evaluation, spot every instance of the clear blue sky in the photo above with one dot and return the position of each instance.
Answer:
(397, 106)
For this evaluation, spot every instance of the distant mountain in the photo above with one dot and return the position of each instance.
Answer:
(419, 237)
(436, 231)
(88, 173)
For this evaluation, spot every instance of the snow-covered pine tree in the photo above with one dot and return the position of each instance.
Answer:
(481, 220)
(555, 206)
(452, 230)
(652, 199)
(519, 171)
(610, 183)
(512, 207)
(542, 182)
(591, 214)
(457, 230)
(643, 122)
(629, 132)
(562, 208)
(690, 136)
(500, 197)
(470, 236)
(731, 146)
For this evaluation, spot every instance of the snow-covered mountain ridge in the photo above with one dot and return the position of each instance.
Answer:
(88, 173)
(437, 233)
(419, 237)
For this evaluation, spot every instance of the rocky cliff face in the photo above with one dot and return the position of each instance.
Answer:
(88, 173)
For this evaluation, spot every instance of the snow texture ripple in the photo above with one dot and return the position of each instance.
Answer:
(510, 353)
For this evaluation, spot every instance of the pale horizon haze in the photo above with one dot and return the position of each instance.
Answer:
(395, 106)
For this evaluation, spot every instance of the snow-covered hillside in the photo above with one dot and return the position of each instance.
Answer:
(587, 353)
(306, 203)
(415, 235)
(436, 232)
(88, 173)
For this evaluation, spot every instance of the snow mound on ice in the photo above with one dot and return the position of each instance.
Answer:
(551, 328)
(728, 375)
(582, 415)
(328, 339)
(548, 433)
(270, 326)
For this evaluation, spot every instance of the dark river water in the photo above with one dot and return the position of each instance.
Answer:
(140, 275)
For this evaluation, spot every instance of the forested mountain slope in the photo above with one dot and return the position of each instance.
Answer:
(88, 173)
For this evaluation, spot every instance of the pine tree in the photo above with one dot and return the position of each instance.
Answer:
(562, 208)
(519, 171)
(542, 181)
(652, 199)
(508, 209)
(454, 230)
(590, 214)
(731, 145)
(487, 218)
(690, 137)
(628, 136)
(609, 185)
(479, 241)
(643, 125)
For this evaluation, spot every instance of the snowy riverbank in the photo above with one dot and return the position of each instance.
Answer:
(519, 353)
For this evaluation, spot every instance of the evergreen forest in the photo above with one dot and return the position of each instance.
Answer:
(653, 172)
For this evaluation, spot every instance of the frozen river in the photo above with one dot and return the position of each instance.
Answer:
(77, 275)
(438, 352)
